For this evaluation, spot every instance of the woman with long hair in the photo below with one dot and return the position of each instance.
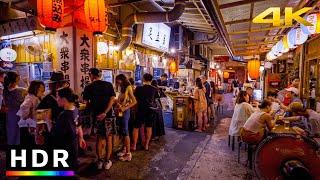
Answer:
(213, 94)
(242, 112)
(27, 112)
(13, 98)
(158, 126)
(200, 105)
(253, 130)
(126, 100)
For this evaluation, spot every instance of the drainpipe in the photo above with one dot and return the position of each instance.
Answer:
(215, 19)
(148, 17)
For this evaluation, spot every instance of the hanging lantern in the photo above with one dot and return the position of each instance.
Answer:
(275, 51)
(254, 68)
(173, 67)
(95, 15)
(285, 44)
(314, 19)
(296, 37)
(50, 13)
(226, 75)
(301, 37)
(271, 56)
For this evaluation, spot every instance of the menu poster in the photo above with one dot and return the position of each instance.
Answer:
(65, 53)
(107, 75)
(138, 73)
(157, 72)
(47, 70)
(23, 71)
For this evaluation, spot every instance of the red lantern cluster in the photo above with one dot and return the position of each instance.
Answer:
(50, 13)
(95, 14)
(89, 15)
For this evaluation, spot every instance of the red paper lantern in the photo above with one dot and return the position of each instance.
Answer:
(50, 13)
(95, 15)
(254, 68)
(173, 67)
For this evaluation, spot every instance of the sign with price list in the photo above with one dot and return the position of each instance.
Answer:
(84, 59)
(64, 38)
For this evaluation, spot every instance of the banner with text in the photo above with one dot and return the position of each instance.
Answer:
(65, 53)
(84, 60)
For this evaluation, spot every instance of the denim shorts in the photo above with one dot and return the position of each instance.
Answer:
(124, 126)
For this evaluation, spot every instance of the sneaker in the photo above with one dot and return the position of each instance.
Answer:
(126, 157)
(100, 164)
(107, 165)
(121, 153)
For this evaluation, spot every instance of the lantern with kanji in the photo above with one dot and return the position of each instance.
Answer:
(254, 68)
(226, 75)
(50, 13)
(173, 67)
(95, 14)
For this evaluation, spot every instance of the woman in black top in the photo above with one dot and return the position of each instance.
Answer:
(64, 132)
(158, 125)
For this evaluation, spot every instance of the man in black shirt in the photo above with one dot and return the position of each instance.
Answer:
(100, 96)
(145, 95)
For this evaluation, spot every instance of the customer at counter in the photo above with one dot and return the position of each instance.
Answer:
(253, 130)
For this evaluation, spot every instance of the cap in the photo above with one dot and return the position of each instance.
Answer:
(293, 89)
(57, 77)
(296, 107)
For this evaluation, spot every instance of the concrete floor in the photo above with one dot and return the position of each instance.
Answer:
(178, 155)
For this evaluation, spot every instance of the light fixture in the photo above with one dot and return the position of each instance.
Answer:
(102, 48)
(173, 50)
(218, 66)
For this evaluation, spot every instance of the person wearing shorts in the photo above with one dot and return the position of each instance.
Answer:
(145, 96)
(100, 97)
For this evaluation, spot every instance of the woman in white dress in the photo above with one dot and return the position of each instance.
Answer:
(242, 112)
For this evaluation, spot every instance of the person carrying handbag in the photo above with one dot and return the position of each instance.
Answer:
(126, 100)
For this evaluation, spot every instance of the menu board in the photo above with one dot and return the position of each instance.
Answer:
(157, 72)
(156, 35)
(107, 75)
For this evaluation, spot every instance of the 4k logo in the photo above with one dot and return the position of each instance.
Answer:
(289, 16)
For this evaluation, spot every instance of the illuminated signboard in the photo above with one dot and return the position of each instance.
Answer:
(156, 35)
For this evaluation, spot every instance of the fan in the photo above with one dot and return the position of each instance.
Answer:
(33, 47)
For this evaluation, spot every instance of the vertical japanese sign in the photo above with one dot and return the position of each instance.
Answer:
(84, 61)
(65, 53)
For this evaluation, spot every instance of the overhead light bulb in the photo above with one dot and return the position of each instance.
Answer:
(173, 50)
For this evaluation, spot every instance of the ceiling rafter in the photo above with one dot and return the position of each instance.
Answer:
(238, 3)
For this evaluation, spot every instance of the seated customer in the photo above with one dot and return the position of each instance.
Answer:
(298, 112)
(242, 112)
(253, 130)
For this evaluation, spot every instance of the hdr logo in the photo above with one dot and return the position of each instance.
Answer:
(38, 162)
(289, 16)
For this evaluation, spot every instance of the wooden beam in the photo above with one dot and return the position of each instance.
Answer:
(237, 21)
(238, 3)
(258, 30)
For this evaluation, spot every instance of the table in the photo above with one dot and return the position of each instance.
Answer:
(279, 129)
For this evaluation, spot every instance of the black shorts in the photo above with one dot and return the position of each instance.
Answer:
(145, 118)
(106, 127)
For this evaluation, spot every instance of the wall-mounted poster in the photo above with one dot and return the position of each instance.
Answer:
(107, 75)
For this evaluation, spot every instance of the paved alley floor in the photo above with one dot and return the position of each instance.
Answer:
(181, 155)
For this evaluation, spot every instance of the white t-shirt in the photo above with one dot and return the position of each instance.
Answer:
(240, 115)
